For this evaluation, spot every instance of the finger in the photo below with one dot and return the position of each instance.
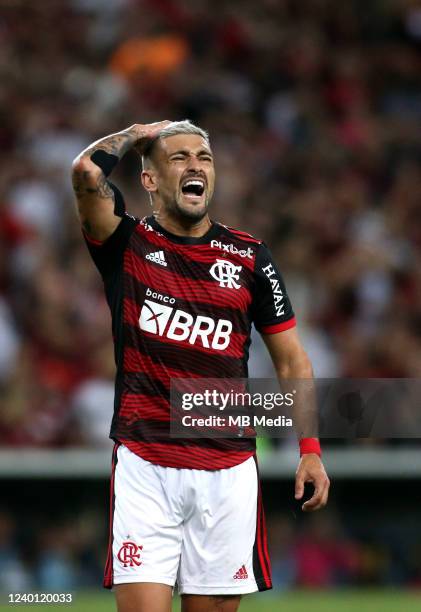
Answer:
(307, 507)
(324, 498)
(312, 503)
(149, 132)
(156, 124)
(299, 485)
(319, 498)
(159, 125)
(325, 494)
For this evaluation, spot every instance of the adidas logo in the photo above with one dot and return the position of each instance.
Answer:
(157, 257)
(241, 574)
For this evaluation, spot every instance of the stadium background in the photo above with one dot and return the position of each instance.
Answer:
(314, 112)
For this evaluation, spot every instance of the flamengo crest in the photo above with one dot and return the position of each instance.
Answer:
(129, 554)
(226, 273)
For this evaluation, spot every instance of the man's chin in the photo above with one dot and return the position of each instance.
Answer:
(194, 212)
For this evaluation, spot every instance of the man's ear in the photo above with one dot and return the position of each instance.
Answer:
(148, 179)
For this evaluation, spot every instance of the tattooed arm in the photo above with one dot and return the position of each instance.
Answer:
(94, 194)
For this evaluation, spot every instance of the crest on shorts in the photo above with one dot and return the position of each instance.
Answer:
(129, 554)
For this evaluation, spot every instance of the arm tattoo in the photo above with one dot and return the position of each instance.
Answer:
(102, 188)
(105, 154)
(116, 144)
(79, 180)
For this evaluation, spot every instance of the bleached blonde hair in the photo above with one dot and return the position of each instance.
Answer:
(173, 129)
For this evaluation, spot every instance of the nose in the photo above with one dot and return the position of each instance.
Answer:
(193, 164)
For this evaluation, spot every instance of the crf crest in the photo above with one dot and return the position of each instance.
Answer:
(226, 273)
(129, 554)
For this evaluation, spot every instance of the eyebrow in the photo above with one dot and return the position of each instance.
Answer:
(186, 152)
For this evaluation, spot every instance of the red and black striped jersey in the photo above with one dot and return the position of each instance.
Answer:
(183, 307)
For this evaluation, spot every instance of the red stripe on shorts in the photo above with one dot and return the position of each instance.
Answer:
(109, 569)
(261, 562)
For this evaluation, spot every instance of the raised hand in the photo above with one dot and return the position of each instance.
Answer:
(144, 133)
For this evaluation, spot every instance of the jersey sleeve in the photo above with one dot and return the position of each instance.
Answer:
(272, 311)
(107, 255)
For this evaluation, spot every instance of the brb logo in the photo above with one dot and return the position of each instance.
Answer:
(226, 273)
(129, 554)
(178, 325)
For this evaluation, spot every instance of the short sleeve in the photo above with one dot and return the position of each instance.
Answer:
(272, 310)
(107, 255)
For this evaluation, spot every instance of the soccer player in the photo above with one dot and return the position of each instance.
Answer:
(183, 291)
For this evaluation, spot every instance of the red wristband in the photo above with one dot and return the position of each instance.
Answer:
(310, 445)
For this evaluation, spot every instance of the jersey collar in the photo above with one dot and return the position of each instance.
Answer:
(212, 232)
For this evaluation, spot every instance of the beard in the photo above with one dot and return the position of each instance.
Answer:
(189, 212)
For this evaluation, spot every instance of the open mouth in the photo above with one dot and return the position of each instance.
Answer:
(193, 188)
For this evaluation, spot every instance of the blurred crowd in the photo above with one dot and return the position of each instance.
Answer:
(67, 553)
(314, 113)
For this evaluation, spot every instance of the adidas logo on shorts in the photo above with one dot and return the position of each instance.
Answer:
(241, 574)
(157, 257)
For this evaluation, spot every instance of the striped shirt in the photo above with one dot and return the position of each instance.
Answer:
(183, 307)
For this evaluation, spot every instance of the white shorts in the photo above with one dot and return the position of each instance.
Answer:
(203, 529)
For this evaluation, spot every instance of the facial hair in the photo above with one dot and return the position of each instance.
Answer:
(196, 213)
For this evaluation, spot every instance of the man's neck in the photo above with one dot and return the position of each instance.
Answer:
(179, 227)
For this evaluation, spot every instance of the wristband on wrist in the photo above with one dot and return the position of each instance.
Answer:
(310, 445)
(105, 161)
